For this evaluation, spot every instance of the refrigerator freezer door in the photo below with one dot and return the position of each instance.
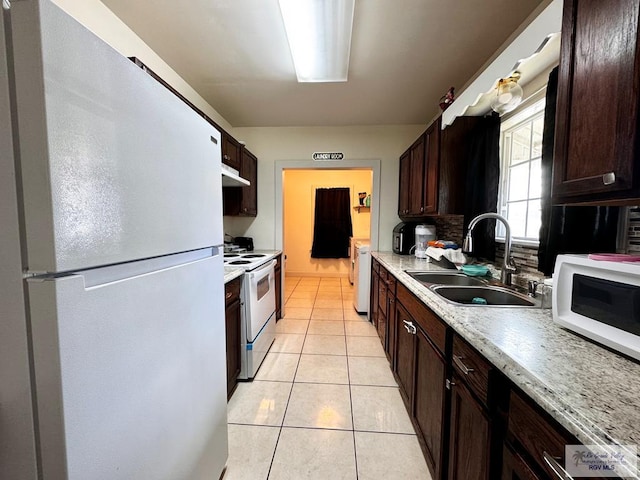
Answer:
(114, 167)
(131, 375)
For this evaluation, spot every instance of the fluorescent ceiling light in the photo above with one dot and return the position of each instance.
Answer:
(319, 34)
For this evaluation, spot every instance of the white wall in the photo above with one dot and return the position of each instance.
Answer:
(298, 143)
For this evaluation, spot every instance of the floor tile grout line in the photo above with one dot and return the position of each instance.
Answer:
(284, 414)
(353, 422)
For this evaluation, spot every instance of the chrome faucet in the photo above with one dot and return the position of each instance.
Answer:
(508, 264)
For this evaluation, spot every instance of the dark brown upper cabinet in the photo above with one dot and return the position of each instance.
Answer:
(596, 135)
(418, 185)
(454, 156)
(243, 201)
(433, 171)
(231, 151)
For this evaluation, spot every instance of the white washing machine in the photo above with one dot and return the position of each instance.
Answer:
(361, 276)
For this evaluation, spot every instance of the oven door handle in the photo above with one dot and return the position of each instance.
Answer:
(263, 271)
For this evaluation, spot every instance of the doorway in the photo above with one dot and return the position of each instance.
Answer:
(322, 175)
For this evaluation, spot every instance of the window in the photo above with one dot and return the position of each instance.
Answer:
(520, 173)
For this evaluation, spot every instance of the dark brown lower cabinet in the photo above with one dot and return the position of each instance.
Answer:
(469, 430)
(373, 304)
(429, 399)
(233, 333)
(477, 425)
(278, 275)
(391, 320)
(382, 307)
(404, 354)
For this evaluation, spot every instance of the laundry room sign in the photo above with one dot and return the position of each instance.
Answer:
(323, 156)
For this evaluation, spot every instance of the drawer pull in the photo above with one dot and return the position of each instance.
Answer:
(410, 327)
(458, 361)
(560, 472)
(609, 178)
(449, 384)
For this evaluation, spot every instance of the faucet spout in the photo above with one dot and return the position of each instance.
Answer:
(508, 264)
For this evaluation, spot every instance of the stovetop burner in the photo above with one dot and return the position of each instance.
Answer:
(239, 262)
(229, 255)
(254, 255)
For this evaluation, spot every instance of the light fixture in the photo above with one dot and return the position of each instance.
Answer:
(319, 34)
(508, 94)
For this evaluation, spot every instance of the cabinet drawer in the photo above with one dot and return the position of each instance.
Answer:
(472, 367)
(535, 433)
(435, 328)
(232, 290)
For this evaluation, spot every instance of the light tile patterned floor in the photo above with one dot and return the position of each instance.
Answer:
(324, 404)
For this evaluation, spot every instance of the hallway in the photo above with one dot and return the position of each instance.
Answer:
(324, 404)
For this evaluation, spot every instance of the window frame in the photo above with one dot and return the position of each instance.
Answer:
(513, 123)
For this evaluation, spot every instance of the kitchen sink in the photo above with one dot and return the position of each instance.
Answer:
(446, 278)
(494, 296)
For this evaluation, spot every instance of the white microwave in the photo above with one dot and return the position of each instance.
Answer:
(599, 300)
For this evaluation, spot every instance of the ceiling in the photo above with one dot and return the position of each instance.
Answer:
(405, 54)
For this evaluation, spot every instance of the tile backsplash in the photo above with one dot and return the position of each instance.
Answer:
(451, 227)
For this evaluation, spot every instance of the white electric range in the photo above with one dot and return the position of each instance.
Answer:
(258, 298)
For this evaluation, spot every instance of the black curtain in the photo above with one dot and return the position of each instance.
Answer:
(483, 177)
(568, 229)
(332, 223)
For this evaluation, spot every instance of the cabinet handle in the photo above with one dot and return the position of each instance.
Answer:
(609, 178)
(228, 295)
(449, 384)
(410, 327)
(422, 209)
(458, 361)
(560, 472)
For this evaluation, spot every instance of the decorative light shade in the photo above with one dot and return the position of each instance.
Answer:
(319, 34)
(508, 94)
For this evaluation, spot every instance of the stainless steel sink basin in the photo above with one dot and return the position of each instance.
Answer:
(446, 278)
(494, 296)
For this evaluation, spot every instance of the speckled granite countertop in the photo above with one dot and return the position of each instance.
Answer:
(592, 392)
(232, 272)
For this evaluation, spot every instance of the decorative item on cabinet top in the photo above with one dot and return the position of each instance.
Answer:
(447, 99)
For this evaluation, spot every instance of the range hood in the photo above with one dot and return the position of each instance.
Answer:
(231, 177)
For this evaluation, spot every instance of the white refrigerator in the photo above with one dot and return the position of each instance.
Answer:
(112, 362)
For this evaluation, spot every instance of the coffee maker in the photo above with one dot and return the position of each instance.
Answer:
(403, 238)
(423, 235)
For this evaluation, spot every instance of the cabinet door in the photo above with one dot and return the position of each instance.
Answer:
(428, 399)
(249, 170)
(232, 319)
(230, 151)
(469, 441)
(432, 163)
(373, 305)
(382, 306)
(416, 204)
(391, 322)
(597, 105)
(405, 341)
(278, 282)
(404, 187)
